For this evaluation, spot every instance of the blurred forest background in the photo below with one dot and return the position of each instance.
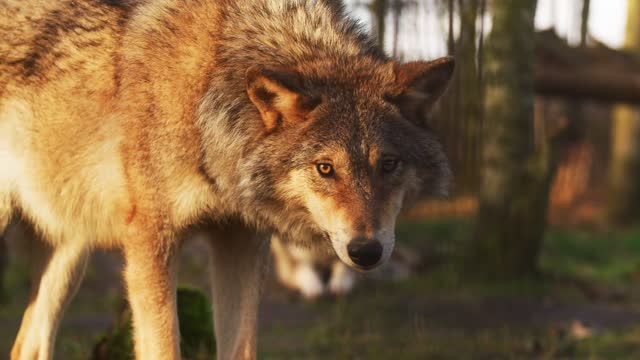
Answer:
(540, 127)
(536, 254)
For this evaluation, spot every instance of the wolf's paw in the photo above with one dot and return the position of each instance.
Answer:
(342, 279)
(308, 282)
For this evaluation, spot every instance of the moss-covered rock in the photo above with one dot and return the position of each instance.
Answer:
(196, 330)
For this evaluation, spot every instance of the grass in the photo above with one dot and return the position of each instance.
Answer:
(440, 315)
(588, 276)
(597, 256)
(611, 345)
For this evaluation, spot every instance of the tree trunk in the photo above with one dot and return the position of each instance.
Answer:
(3, 265)
(379, 10)
(397, 14)
(624, 202)
(470, 101)
(450, 35)
(515, 178)
(584, 22)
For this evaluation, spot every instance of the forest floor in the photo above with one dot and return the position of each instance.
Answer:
(584, 305)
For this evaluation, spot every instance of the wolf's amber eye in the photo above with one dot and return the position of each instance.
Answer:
(325, 169)
(389, 165)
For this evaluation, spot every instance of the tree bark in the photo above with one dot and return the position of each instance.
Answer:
(624, 202)
(514, 179)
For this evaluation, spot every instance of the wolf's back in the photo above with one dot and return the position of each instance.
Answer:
(44, 40)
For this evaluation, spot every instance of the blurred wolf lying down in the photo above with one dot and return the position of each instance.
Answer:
(135, 125)
(313, 271)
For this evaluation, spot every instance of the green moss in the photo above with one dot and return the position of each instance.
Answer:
(196, 324)
(196, 330)
(117, 343)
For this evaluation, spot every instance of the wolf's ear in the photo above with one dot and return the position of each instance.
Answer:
(419, 85)
(279, 96)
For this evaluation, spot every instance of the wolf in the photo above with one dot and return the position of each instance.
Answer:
(134, 125)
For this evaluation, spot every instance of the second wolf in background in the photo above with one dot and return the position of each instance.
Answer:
(313, 271)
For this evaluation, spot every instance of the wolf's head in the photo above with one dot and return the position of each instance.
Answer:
(348, 146)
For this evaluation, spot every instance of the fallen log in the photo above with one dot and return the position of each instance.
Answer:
(595, 72)
(592, 84)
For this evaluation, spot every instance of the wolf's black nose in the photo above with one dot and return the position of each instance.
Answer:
(365, 253)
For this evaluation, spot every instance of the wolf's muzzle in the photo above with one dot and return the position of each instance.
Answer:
(365, 253)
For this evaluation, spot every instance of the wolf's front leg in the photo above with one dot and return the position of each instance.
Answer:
(239, 258)
(56, 275)
(150, 276)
